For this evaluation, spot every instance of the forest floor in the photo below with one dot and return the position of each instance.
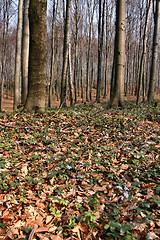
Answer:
(85, 172)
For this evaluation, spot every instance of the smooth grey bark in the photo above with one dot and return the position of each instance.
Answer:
(154, 52)
(117, 96)
(65, 54)
(25, 50)
(37, 56)
(70, 75)
(107, 52)
(70, 71)
(53, 57)
(100, 48)
(3, 59)
(17, 74)
(89, 45)
(142, 62)
(76, 53)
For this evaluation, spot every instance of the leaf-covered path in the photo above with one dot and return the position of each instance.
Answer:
(80, 173)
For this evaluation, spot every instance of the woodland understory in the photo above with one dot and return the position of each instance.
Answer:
(84, 172)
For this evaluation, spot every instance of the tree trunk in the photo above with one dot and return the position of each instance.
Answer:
(37, 55)
(3, 59)
(17, 73)
(100, 49)
(117, 97)
(107, 51)
(70, 72)
(53, 63)
(25, 50)
(65, 54)
(154, 53)
(76, 53)
(89, 46)
(142, 63)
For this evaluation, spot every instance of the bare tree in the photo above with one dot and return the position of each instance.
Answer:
(142, 63)
(100, 47)
(117, 96)
(91, 9)
(65, 54)
(53, 56)
(25, 50)
(154, 52)
(17, 74)
(37, 56)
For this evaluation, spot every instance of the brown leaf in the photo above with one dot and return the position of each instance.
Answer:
(52, 229)
(151, 236)
(158, 222)
(42, 236)
(42, 229)
(76, 230)
(55, 237)
(48, 219)
(124, 166)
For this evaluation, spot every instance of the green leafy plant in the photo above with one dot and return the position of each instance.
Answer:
(55, 212)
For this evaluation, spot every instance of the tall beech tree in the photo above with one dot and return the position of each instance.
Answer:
(100, 47)
(17, 73)
(154, 52)
(142, 62)
(117, 93)
(37, 56)
(53, 56)
(25, 50)
(65, 54)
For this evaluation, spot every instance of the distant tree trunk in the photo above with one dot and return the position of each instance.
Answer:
(53, 62)
(65, 54)
(117, 96)
(70, 72)
(107, 50)
(142, 63)
(37, 56)
(17, 73)
(70, 76)
(154, 52)
(3, 58)
(89, 45)
(100, 49)
(91, 84)
(76, 52)
(25, 50)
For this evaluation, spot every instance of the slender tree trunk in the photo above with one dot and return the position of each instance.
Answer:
(107, 50)
(70, 73)
(88, 63)
(25, 50)
(154, 53)
(100, 49)
(142, 65)
(128, 67)
(53, 62)
(3, 59)
(17, 74)
(37, 56)
(89, 46)
(76, 52)
(65, 54)
(92, 64)
(117, 98)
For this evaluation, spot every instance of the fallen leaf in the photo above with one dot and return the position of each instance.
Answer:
(48, 219)
(152, 235)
